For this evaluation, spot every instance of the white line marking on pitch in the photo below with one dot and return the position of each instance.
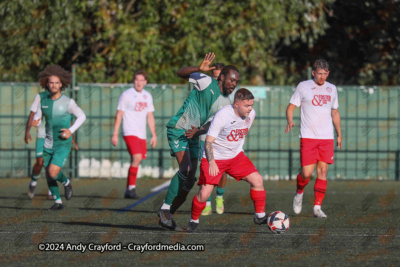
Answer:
(161, 186)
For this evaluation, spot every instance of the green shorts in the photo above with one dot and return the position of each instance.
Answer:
(39, 147)
(57, 156)
(178, 142)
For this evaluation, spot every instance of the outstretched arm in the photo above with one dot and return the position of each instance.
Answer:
(204, 67)
(336, 123)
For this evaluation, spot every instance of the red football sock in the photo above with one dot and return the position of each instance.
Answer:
(301, 183)
(319, 191)
(132, 175)
(258, 198)
(197, 208)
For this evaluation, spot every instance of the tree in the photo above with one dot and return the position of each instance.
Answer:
(109, 40)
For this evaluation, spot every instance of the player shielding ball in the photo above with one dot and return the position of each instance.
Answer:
(57, 109)
(223, 152)
(203, 102)
(318, 100)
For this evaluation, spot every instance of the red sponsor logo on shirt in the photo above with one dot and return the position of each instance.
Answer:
(320, 100)
(140, 106)
(237, 134)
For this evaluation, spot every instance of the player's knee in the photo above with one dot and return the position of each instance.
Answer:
(202, 197)
(306, 175)
(188, 184)
(136, 159)
(40, 162)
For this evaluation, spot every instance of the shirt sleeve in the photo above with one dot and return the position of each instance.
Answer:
(38, 114)
(217, 124)
(297, 96)
(150, 107)
(78, 113)
(200, 80)
(122, 102)
(335, 103)
(35, 103)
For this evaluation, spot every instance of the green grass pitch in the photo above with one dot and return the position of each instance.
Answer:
(362, 227)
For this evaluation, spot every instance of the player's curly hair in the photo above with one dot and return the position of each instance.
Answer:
(243, 94)
(55, 70)
(226, 70)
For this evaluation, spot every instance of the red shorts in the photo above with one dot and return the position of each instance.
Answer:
(136, 145)
(314, 150)
(238, 167)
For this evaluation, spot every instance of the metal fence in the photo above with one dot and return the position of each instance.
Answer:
(370, 129)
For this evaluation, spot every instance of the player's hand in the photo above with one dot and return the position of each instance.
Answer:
(75, 146)
(289, 127)
(191, 132)
(114, 140)
(213, 168)
(153, 141)
(65, 133)
(205, 65)
(339, 142)
(36, 122)
(28, 137)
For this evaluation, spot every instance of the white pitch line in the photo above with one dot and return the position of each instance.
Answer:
(161, 186)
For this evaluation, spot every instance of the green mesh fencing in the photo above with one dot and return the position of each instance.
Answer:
(370, 129)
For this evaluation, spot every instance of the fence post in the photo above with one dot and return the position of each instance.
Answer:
(290, 164)
(29, 162)
(160, 164)
(397, 174)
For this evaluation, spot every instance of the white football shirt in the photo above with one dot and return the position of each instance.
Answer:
(230, 131)
(316, 104)
(135, 106)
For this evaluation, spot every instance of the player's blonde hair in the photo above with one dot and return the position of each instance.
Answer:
(55, 70)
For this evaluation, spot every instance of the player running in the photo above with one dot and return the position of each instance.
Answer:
(57, 109)
(135, 105)
(223, 152)
(40, 136)
(319, 109)
(203, 102)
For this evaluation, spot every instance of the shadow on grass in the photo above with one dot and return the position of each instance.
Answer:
(109, 225)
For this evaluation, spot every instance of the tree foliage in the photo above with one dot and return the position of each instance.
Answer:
(271, 42)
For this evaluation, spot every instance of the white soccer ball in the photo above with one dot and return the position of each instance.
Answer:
(278, 222)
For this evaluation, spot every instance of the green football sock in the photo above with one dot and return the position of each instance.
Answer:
(220, 191)
(53, 188)
(209, 199)
(35, 177)
(174, 188)
(62, 178)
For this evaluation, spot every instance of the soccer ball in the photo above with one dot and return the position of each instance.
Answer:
(278, 222)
